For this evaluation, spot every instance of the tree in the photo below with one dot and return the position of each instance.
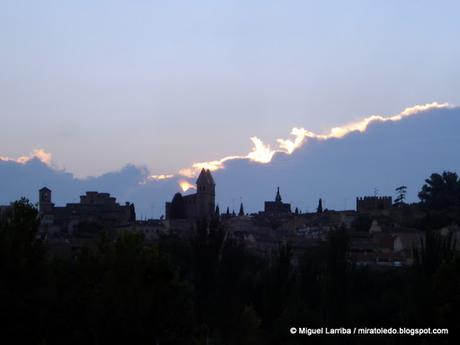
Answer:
(441, 191)
(440, 199)
(435, 250)
(336, 277)
(401, 193)
(278, 279)
(319, 209)
(241, 212)
(207, 245)
(23, 280)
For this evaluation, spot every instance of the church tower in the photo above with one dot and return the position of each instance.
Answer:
(44, 201)
(205, 195)
(278, 195)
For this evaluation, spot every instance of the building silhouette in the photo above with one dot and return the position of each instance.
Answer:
(93, 207)
(202, 204)
(45, 206)
(277, 206)
(373, 203)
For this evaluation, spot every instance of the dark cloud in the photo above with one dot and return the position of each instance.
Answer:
(385, 156)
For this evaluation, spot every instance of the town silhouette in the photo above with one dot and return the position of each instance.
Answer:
(90, 272)
(229, 172)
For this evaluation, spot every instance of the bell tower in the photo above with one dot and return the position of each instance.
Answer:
(206, 194)
(44, 201)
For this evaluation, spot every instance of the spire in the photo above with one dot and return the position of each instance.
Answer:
(241, 213)
(217, 210)
(278, 195)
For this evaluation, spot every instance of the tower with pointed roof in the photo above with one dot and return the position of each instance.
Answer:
(201, 204)
(278, 195)
(278, 206)
(205, 195)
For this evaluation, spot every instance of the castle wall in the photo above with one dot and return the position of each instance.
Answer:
(373, 203)
(190, 203)
(93, 207)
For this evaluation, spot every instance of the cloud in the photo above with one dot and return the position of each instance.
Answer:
(161, 177)
(185, 185)
(39, 154)
(376, 152)
(262, 153)
(361, 126)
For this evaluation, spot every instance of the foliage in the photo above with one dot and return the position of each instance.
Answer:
(210, 289)
(440, 198)
(401, 193)
(441, 191)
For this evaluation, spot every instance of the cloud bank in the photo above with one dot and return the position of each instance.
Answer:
(377, 152)
(39, 154)
(262, 153)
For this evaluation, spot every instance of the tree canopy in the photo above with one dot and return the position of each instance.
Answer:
(441, 191)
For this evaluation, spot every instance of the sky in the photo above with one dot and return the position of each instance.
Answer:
(169, 83)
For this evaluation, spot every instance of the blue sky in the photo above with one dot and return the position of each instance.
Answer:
(166, 83)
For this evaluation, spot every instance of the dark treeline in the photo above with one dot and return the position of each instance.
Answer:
(209, 289)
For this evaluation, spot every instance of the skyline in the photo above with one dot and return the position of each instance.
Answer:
(157, 84)
(398, 150)
(229, 172)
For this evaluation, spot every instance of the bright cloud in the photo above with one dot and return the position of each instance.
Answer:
(185, 185)
(161, 177)
(40, 154)
(262, 153)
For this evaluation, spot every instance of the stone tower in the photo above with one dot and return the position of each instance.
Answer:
(44, 201)
(205, 195)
